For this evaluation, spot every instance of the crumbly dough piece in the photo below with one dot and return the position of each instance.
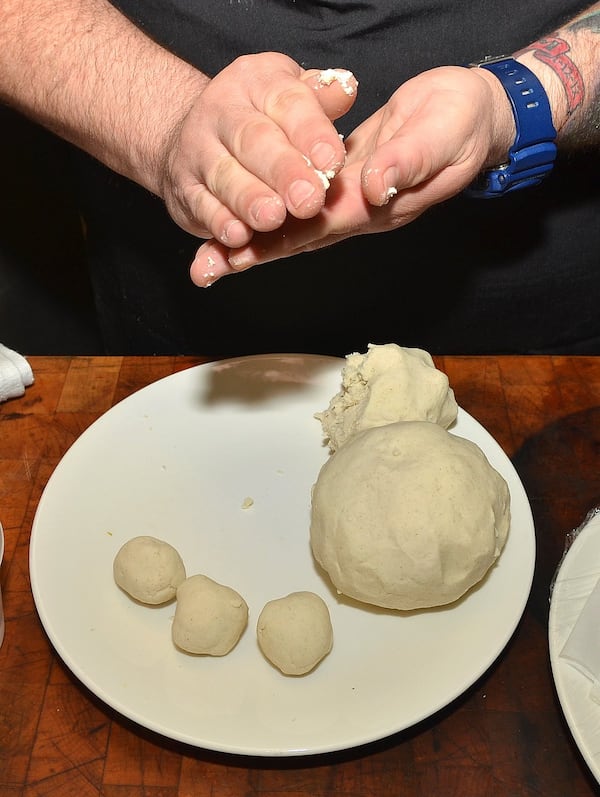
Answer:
(387, 384)
(209, 618)
(344, 77)
(148, 569)
(295, 632)
(408, 516)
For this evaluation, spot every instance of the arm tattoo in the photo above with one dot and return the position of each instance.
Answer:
(581, 86)
(553, 52)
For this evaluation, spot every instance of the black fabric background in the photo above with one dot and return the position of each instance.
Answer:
(520, 274)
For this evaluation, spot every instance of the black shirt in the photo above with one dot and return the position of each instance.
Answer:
(518, 274)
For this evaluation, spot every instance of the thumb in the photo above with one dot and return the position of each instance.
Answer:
(422, 150)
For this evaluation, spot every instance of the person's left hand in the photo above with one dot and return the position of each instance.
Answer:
(425, 145)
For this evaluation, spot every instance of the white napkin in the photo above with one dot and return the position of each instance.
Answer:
(15, 374)
(582, 647)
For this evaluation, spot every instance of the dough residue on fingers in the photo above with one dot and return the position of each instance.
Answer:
(210, 264)
(324, 177)
(344, 77)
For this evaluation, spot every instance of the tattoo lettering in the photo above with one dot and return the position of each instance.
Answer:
(553, 52)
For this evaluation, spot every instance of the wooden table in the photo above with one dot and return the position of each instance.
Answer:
(505, 737)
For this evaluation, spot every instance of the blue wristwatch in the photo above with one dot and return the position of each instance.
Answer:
(532, 155)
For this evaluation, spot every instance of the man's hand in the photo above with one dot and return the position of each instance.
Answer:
(425, 145)
(257, 144)
(229, 155)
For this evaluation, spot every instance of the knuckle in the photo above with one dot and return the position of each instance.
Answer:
(254, 129)
(282, 102)
(220, 175)
(193, 200)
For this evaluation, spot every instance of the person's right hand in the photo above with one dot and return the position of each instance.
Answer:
(257, 144)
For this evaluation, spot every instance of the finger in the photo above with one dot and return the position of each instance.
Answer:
(400, 167)
(248, 196)
(282, 180)
(346, 213)
(195, 203)
(265, 152)
(210, 264)
(425, 145)
(294, 106)
(213, 260)
(335, 89)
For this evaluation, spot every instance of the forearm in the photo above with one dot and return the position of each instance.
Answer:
(568, 64)
(81, 69)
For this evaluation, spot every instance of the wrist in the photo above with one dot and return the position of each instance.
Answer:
(531, 156)
(164, 125)
(503, 120)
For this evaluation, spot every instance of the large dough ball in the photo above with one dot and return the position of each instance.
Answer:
(150, 570)
(295, 632)
(408, 516)
(209, 618)
(389, 383)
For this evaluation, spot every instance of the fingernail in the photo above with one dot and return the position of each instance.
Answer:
(267, 211)
(242, 260)
(300, 191)
(233, 233)
(323, 157)
(390, 183)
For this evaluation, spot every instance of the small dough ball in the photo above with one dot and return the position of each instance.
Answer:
(148, 569)
(408, 516)
(295, 632)
(389, 383)
(209, 618)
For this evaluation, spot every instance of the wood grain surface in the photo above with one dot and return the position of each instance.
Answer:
(506, 737)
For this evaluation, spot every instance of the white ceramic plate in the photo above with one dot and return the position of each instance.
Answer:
(177, 460)
(575, 580)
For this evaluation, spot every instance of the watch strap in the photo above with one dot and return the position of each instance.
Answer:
(533, 152)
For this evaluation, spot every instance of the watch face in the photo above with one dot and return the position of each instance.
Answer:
(492, 59)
